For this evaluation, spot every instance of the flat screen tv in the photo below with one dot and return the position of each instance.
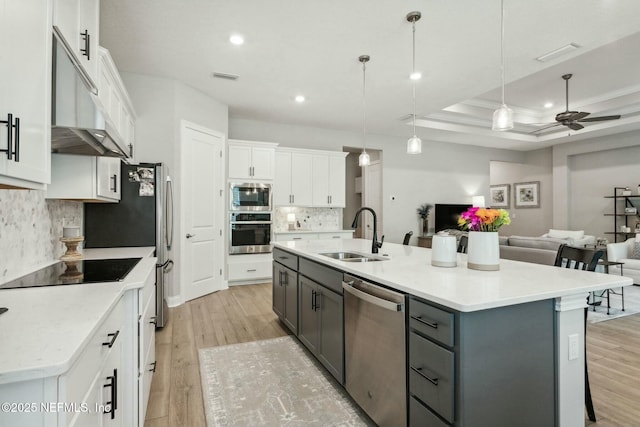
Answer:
(447, 216)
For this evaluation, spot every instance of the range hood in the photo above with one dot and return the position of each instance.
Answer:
(77, 123)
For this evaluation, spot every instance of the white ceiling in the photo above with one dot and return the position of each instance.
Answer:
(311, 47)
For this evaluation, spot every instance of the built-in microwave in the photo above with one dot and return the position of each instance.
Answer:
(249, 233)
(250, 196)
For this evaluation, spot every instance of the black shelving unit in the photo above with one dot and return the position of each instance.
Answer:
(630, 201)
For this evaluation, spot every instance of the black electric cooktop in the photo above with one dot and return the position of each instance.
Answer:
(76, 272)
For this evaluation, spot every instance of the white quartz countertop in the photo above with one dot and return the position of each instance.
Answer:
(46, 328)
(311, 231)
(409, 270)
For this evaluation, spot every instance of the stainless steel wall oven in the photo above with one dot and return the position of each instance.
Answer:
(250, 196)
(250, 232)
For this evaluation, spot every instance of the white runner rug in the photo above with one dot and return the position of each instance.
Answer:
(272, 382)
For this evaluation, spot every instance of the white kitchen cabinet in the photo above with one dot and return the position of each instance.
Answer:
(249, 267)
(329, 172)
(146, 344)
(115, 104)
(251, 160)
(314, 235)
(25, 93)
(86, 178)
(293, 180)
(78, 21)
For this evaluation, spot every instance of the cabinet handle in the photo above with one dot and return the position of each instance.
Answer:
(189, 235)
(131, 151)
(251, 270)
(113, 404)
(283, 257)
(418, 371)
(13, 144)
(285, 276)
(153, 366)
(335, 237)
(293, 198)
(87, 42)
(433, 325)
(113, 336)
(115, 183)
(280, 278)
(328, 200)
(297, 238)
(154, 320)
(313, 300)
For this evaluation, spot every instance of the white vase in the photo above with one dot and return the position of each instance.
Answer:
(483, 251)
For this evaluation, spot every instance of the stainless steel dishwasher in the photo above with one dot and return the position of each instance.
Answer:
(375, 361)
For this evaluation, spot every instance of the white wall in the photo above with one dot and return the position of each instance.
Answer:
(443, 173)
(536, 166)
(586, 171)
(160, 106)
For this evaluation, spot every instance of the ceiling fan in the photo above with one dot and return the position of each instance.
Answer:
(572, 119)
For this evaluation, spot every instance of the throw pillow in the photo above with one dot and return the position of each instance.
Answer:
(636, 250)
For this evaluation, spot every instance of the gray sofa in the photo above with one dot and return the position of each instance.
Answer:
(538, 250)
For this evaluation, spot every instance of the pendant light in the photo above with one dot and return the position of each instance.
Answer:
(414, 144)
(364, 159)
(503, 116)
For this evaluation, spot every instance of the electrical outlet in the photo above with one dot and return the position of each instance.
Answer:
(574, 347)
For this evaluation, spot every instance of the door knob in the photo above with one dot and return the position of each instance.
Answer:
(190, 235)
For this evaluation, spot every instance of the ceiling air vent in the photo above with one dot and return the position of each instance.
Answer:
(564, 50)
(225, 76)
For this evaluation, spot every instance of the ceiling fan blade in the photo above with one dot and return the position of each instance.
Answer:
(575, 126)
(545, 128)
(578, 116)
(600, 119)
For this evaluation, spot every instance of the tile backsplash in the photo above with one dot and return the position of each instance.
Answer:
(309, 218)
(30, 230)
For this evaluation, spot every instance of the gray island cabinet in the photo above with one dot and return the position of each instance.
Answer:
(482, 348)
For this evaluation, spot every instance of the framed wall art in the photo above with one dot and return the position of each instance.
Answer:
(500, 196)
(526, 194)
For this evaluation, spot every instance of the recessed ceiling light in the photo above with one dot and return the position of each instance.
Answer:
(548, 104)
(236, 39)
(415, 75)
(558, 52)
(299, 98)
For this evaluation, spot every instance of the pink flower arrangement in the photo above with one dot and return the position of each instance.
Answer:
(483, 219)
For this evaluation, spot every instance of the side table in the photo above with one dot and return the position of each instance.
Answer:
(425, 241)
(608, 292)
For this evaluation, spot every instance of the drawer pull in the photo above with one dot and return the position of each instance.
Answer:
(433, 325)
(153, 367)
(335, 237)
(251, 271)
(113, 336)
(418, 371)
(297, 238)
(283, 257)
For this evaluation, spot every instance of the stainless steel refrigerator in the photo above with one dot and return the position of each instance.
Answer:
(143, 217)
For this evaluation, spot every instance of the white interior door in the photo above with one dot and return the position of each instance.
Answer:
(202, 211)
(372, 198)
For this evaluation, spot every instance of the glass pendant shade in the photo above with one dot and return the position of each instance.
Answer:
(364, 159)
(502, 118)
(414, 145)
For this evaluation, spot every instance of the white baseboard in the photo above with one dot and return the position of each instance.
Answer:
(175, 301)
(250, 282)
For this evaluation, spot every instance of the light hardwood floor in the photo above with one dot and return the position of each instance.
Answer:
(243, 313)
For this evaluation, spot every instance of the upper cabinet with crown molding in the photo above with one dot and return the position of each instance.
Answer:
(116, 104)
(79, 23)
(25, 93)
(251, 160)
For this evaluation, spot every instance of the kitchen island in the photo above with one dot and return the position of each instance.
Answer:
(55, 345)
(517, 335)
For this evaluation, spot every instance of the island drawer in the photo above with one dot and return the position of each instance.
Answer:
(419, 416)
(327, 277)
(431, 321)
(75, 383)
(431, 375)
(285, 258)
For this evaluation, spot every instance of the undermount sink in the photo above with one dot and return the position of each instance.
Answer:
(352, 257)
